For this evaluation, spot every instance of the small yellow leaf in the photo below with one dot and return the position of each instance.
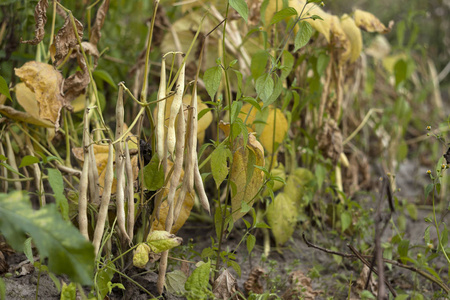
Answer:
(27, 99)
(368, 22)
(297, 185)
(45, 81)
(140, 257)
(246, 187)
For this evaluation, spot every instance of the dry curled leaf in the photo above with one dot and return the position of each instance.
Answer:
(21, 116)
(99, 21)
(76, 84)
(361, 284)
(252, 284)
(330, 140)
(300, 287)
(66, 39)
(225, 286)
(339, 40)
(368, 22)
(40, 16)
(247, 178)
(45, 81)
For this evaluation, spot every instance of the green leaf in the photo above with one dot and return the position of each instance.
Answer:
(322, 63)
(69, 292)
(251, 241)
(366, 295)
(212, 79)
(104, 276)
(403, 248)
(2, 157)
(4, 89)
(283, 14)
(426, 235)
(27, 250)
(2, 289)
(261, 225)
(153, 174)
(235, 266)
(239, 82)
(402, 297)
(259, 63)
(241, 7)
(288, 64)
(428, 189)
(67, 250)
(28, 160)
(400, 71)
(264, 86)
(105, 76)
(444, 236)
(11, 169)
(276, 92)
(303, 35)
(235, 110)
(55, 179)
(316, 17)
(175, 282)
(199, 278)
(412, 210)
(346, 220)
(219, 166)
(263, 9)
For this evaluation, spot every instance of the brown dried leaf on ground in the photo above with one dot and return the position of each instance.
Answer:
(66, 39)
(361, 283)
(40, 16)
(76, 84)
(330, 140)
(368, 22)
(225, 286)
(99, 21)
(45, 81)
(253, 284)
(300, 287)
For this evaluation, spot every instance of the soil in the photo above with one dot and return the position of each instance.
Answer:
(328, 277)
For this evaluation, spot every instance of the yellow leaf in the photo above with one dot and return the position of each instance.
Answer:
(368, 22)
(21, 116)
(282, 217)
(390, 61)
(45, 81)
(78, 103)
(297, 185)
(246, 190)
(354, 36)
(339, 39)
(101, 158)
(203, 123)
(188, 203)
(267, 138)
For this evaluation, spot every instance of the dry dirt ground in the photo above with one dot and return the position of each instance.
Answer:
(328, 277)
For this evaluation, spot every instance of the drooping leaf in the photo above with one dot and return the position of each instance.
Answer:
(238, 174)
(259, 63)
(225, 286)
(264, 86)
(353, 35)
(105, 76)
(303, 35)
(251, 241)
(66, 39)
(199, 278)
(28, 160)
(56, 182)
(346, 220)
(283, 14)
(282, 217)
(98, 23)
(175, 282)
(153, 174)
(104, 276)
(212, 79)
(140, 257)
(219, 166)
(241, 7)
(4, 89)
(67, 250)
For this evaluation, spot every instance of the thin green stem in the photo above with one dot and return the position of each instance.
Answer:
(437, 229)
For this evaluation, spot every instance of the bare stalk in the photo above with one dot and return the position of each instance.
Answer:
(129, 193)
(82, 200)
(12, 161)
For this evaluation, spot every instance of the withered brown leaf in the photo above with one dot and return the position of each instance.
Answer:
(40, 16)
(225, 286)
(76, 83)
(66, 39)
(99, 20)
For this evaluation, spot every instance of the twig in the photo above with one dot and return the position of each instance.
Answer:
(388, 261)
